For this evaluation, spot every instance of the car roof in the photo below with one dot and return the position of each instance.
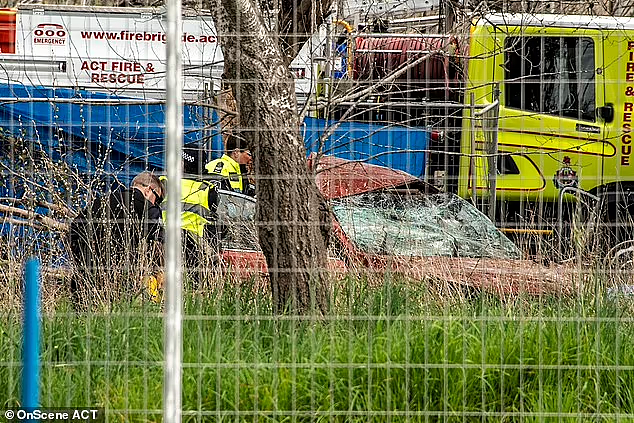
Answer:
(337, 178)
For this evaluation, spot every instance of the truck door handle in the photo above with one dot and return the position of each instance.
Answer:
(606, 113)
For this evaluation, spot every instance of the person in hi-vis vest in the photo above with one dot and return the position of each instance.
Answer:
(233, 167)
(199, 200)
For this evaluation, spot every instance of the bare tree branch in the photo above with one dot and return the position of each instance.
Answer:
(33, 216)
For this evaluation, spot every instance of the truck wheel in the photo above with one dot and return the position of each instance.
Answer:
(619, 263)
(617, 218)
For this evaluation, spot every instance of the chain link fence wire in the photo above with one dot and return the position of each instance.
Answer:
(434, 311)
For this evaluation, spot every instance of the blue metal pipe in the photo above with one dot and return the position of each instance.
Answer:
(31, 338)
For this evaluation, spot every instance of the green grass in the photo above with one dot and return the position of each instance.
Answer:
(382, 355)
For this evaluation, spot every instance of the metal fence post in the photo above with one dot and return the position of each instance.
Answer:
(31, 339)
(173, 291)
(472, 161)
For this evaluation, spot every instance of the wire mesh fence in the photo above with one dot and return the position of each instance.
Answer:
(379, 223)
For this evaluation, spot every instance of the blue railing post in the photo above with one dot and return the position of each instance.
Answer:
(31, 337)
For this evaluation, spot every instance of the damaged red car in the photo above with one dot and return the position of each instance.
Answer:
(388, 220)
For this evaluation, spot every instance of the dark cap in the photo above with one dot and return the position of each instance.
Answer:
(236, 141)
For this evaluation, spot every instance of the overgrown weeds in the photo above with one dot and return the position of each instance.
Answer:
(386, 352)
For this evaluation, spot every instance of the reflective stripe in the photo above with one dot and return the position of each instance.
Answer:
(198, 209)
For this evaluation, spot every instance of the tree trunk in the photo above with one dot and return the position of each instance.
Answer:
(287, 206)
(297, 21)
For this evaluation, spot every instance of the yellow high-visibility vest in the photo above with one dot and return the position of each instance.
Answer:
(197, 212)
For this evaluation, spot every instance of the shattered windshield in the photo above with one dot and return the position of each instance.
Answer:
(391, 223)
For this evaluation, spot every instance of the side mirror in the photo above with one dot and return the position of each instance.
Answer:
(606, 113)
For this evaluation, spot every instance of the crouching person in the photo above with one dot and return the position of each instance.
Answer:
(117, 240)
(200, 238)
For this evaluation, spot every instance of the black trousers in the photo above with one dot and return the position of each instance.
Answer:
(200, 253)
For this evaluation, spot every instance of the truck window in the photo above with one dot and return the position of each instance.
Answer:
(551, 75)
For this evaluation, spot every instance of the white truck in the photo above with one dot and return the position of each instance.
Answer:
(110, 49)
(89, 83)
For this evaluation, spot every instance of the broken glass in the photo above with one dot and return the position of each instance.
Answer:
(393, 223)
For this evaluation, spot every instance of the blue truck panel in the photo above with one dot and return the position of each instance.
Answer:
(120, 139)
(131, 136)
(393, 146)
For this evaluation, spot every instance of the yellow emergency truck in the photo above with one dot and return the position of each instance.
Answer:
(537, 109)
(566, 105)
